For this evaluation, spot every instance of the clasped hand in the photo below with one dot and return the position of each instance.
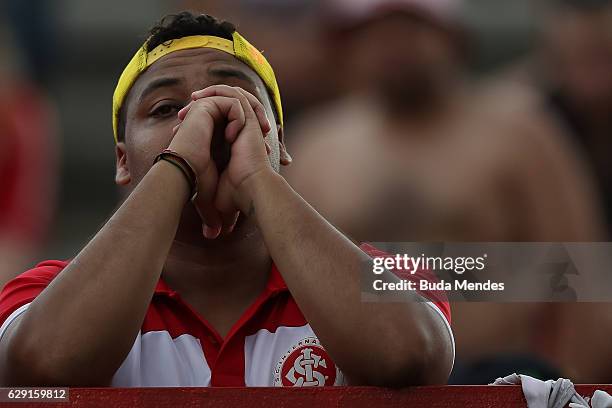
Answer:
(222, 196)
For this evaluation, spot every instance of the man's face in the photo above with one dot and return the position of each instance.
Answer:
(404, 57)
(165, 87)
(155, 99)
(579, 45)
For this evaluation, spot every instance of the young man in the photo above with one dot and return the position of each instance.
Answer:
(173, 292)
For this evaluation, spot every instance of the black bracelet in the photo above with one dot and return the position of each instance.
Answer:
(182, 164)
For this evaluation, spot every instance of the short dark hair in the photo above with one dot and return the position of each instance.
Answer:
(184, 24)
(172, 27)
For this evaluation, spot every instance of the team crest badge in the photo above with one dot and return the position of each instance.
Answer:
(306, 364)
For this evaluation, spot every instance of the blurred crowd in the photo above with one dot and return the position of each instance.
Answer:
(28, 157)
(395, 137)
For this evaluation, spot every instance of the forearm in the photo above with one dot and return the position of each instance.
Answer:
(322, 269)
(79, 329)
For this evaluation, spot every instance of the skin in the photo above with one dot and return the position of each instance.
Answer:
(577, 56)
(477, 165)
(110, 282)
(413, 76)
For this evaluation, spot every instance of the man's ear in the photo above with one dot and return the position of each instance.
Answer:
(285, 157)
(122, 173)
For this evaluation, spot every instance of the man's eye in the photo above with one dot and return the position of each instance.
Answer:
(166, 110)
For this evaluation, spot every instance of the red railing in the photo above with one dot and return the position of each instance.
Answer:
(447, 396)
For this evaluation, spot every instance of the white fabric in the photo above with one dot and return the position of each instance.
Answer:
(544, 394)
(264, 352)
(12, 318)
(264, 349)
(158, 360)
(601, 399)
(448, 327)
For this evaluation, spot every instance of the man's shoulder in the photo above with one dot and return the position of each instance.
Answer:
(45, 269)
(43, 273)
(20, 291)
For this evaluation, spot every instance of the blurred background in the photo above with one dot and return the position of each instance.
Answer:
(408, 120)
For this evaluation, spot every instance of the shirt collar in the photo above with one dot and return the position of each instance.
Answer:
(276, 283)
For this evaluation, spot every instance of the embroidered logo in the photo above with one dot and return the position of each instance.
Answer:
(306, 364)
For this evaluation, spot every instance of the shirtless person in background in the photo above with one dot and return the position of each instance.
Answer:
(570, 71)
(438, 160)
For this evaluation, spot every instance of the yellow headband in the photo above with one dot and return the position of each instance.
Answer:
(239, 47)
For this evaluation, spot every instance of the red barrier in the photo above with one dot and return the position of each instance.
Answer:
(433, 397)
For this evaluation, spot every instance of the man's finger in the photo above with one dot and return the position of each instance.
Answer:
(175, 129)
(219, 108)
(228, 91)
(249, 110)
(224, 203)
(204, 203)
(183, 112)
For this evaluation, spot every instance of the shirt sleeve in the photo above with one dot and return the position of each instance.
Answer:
(437, 297)
(21, 291)
(437, 300)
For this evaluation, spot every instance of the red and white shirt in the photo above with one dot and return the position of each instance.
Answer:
(272, 344)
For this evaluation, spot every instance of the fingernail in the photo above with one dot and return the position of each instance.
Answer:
(210, 233)
(183, 110)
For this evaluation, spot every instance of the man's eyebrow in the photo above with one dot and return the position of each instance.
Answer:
(229, 72)
(159, 83)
